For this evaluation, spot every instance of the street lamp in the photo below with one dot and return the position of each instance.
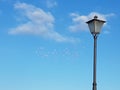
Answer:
(95, 26)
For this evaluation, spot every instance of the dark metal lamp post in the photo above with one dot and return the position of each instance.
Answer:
(95, 26)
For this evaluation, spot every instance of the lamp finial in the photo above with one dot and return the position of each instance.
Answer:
(95, 17)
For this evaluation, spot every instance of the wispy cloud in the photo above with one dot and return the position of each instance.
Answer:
(39, 23)
(79, 20)
(51, 3)
(63, 52)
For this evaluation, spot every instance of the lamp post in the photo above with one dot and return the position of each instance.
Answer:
(95, 26)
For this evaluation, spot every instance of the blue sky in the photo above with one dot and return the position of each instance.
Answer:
(46, 45)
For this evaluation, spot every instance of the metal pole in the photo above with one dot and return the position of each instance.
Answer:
(94, 62)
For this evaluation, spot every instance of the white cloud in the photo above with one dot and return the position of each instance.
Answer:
(39, 23)
(51, 3)
(79, 21)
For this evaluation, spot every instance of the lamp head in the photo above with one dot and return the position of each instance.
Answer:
(95, 25)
